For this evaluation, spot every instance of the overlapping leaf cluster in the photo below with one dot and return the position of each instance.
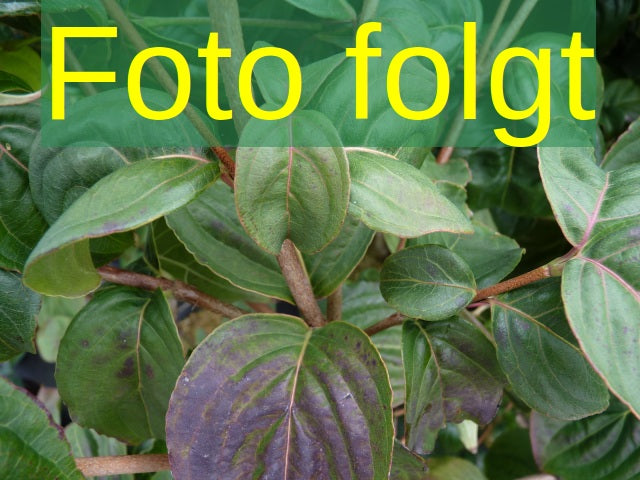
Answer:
(398, 234)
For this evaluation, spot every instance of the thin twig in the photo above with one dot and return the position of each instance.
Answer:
(297, 278)
(389, 322)
(182, 291)
(444, 155)
(122, 465)
(334, 306)
(401, 244)
(514, 283)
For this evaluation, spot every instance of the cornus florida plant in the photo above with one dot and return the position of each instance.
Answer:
(316, 310)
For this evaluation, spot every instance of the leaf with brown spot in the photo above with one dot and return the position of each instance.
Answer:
(265, 396)
(129, 364)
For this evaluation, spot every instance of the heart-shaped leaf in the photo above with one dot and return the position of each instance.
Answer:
(128, 198)
(31, 444)
(21, 224)
(393, 197)
(124, 348)
(452, 375)
(539, 354)
(18, 309)
(427, 282)
(298, 189)
(264, 395)
(602, 447)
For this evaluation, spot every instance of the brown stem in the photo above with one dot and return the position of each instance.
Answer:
(514, 283)
(226, 160)
(401, 244)
(122, 465)
(334, 306)
(389, 322)
(182, 291)
(297, 278)
(261, 307)
(445, 155)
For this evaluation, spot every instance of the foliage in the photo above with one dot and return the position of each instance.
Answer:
(435, 315)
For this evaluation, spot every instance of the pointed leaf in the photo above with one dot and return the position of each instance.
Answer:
(427, 282)
(128, 198)
(584, 198)
(124, 348)
(393, 197)
(298, 189)
(264, 395)
(452, 375)
(602, 447)
(539, 354)
(32, 446)
(18, 309)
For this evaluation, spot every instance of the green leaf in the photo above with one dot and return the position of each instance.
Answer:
(510, 456)
(334, 9)
(21, 225)
(625, 151)
(130, 197)
(585, 199)
(452, 375)
(294, 190)
(452, 468)
(18, 309)
(539, 354)
(264, 395)
(210, 229)
(490, 255)
(22, 63)
(124, 348)
(406, 465)
(32, 446)
(88, 443)
(54, 318)
(363, 306)
(393, 197)
(329, 268)
(600, 292)
(602, 447)
(175, 259)
(427, 282)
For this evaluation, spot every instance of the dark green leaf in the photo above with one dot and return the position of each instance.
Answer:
(626, 151)
(451, 468)
(427, 282)
(175, 259)
(406, 465)
(294, 190)
(393, 197)
(540, 356)
(126, 199)
(32, 446)
(490, 255)
(124, 348)
(264, 395)
(18, 309)
(603, 447)
(452, 375)
(510, 456)
(21, 225)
